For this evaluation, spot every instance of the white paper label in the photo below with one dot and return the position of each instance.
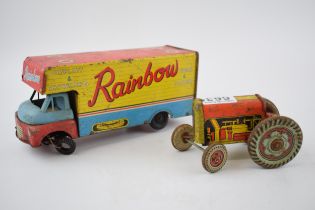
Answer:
(219, 100)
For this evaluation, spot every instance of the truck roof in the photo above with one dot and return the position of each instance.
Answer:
(103, 56)
(34, 67)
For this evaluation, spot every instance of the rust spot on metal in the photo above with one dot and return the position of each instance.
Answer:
(129, 60)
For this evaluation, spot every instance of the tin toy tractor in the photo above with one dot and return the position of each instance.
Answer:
(272, 140)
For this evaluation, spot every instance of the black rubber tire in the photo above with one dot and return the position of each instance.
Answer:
(65, 145)
(46, 142)
(275, 141)
(159, 121)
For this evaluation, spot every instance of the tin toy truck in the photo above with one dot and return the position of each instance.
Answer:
(272, 140)
(89, 93)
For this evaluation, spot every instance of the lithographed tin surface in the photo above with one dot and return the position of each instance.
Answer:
(34, 134)
(198, 120)
(229, 119)
(272, 140)
(119, 88)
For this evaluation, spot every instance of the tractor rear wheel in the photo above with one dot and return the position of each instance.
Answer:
(275, 141)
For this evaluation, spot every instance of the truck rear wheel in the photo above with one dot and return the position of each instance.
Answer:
(159, 121)
(214, 157)
(65, 145)
(179, 135)
(275, 141)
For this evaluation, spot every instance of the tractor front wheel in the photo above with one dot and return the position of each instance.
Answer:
(180, 135)
(214, 157)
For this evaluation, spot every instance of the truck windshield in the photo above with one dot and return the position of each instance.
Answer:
(39, 100)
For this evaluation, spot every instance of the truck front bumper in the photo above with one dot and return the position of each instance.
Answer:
(27, 133)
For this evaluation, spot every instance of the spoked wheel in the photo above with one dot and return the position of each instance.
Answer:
(275, 141)
(271, 107)
(65, 145)
(159, 121)
(214, 157)
(180, 135)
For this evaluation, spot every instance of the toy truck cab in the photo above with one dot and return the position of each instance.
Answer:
(272, 140)
(47, 120)
(55, 107)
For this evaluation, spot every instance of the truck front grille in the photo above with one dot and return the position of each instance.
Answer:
(19, 132)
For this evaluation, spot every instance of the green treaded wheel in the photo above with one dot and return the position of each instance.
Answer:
(179, 135)
(271, 107)
(275, 141)
(214, 157)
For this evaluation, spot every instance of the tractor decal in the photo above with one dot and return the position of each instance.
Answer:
(229, 130)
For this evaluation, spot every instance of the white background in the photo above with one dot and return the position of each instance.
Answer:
(245, 47)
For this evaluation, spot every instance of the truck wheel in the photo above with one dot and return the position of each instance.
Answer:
(159, 121)
(214, 157)
(275, 141)
(65, 145)
(271, 107)
(179, 135)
